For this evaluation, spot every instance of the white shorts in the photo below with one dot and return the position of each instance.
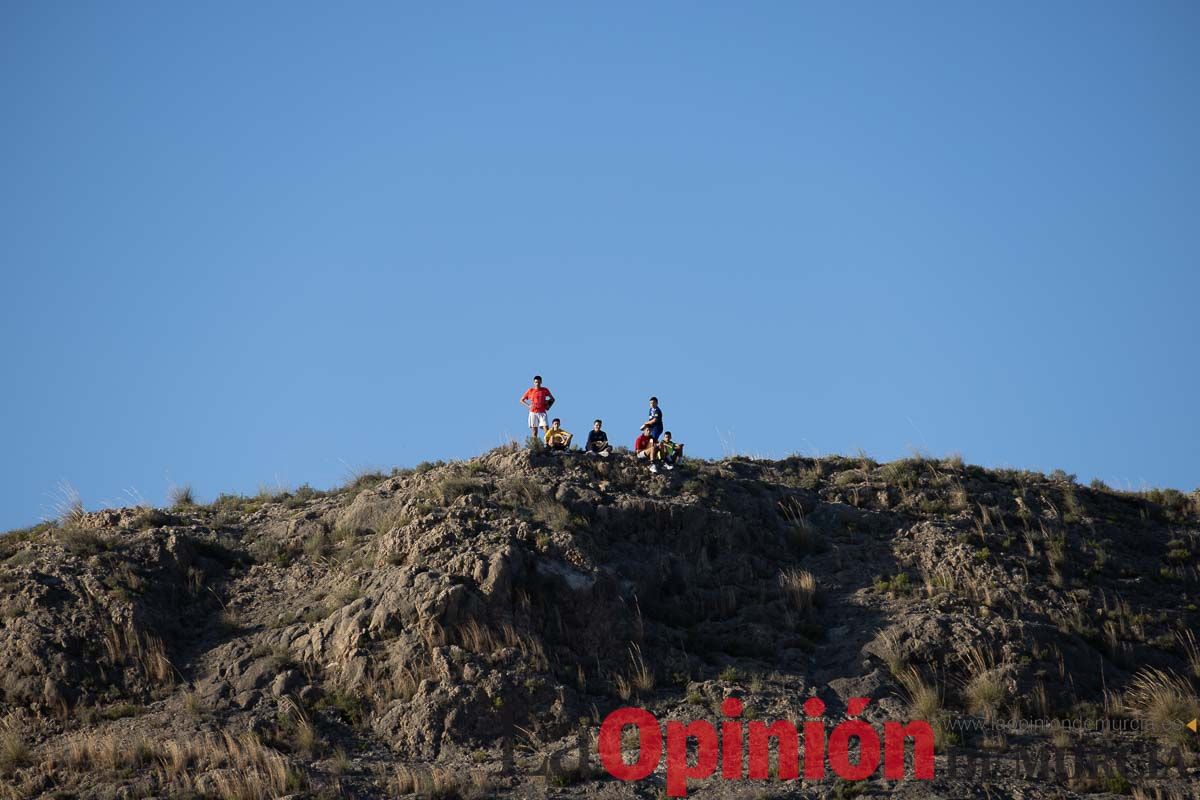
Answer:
(537, 419)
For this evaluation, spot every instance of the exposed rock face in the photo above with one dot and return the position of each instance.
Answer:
(424, 617)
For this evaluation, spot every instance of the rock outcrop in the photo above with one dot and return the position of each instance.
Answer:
(446, 629)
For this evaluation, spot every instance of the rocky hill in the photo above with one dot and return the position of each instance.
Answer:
(445, 630)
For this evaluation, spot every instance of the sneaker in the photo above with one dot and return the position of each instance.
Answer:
(668, 466)
(654, 467)
(603, 454)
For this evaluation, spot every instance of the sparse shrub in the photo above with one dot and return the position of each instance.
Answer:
(281, 660)
(14, 753)
(904, 474)
(934, 506)
(81, 542)
(193, 705)
(1179, 555)
(730, 674)
(12, 544)
(181, 496)
(847, 790)
(809, 478)
(121, 711)
(552, 514)
(1061, 476)
(302, 496)
(1099, 485)
(517, 492)
(349, 704)
(451, 488)
(317, 613)
(849, 477)
(898, 585)
(319, 543)
(953, 462)
(361, 479)
(340, 763)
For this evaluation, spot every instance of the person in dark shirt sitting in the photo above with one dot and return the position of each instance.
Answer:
(597, 441)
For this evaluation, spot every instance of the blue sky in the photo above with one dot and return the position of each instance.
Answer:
(267, 245)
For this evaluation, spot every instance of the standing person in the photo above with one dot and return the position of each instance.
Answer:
(644, 447)
(655, 420)
(556, 437)
(538, 400)
(597, 441)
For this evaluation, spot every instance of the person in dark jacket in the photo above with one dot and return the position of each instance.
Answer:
(597, 441)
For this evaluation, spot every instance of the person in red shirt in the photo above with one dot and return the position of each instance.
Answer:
(645, 447)
(538, 400)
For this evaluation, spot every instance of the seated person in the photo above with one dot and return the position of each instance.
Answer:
(645, 447)
(556, 437)
(597, 441)
(669, 451)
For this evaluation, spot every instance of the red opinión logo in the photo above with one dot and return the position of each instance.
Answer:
(818, 747)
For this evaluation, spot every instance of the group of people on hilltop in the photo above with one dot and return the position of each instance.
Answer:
(653, 444)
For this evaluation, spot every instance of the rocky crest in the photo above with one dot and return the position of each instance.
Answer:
(389, 637)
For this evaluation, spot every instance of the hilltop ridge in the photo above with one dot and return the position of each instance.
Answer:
(385, 637)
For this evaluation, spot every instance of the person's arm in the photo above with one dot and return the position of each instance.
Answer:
(525, 400)
(570, 436)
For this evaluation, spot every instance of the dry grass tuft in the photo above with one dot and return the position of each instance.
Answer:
(1164, 699)
(925, 702)
(14, 753)
(438, 782)
(985, 690)
(800, 587)
(1191, 651)
(68, 505)
(641, 674)
(180, 496)
(227, 766)
(125, 646)
(891, 651)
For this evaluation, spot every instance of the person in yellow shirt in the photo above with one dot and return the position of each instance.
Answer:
(556, 437)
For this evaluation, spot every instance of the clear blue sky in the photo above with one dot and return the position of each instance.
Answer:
(267, 245)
